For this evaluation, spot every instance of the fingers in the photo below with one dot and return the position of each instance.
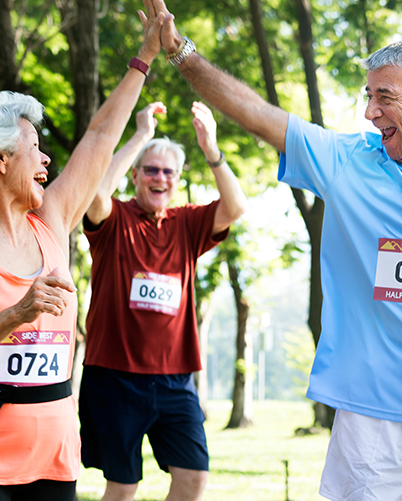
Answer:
(157, 107)
(149, 8)
(54, 280)
(146, 121)
(203, 116)
(199, 108)
(46, 295)
(143, 19)
(160, 6)
(148, 112)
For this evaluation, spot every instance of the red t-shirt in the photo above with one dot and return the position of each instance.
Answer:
(142, 316)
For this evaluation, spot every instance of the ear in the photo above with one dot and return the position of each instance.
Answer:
(134, 174)
(3, 163)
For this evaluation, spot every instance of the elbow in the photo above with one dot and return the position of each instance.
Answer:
(238, 211)
(241, 210)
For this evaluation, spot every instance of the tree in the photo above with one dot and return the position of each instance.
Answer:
(38, 27)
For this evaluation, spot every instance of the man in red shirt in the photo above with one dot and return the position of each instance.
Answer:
(142, 344)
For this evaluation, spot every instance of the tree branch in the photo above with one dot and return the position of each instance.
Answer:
(63, 140)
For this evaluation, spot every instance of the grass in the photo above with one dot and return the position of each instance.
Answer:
(245, 464)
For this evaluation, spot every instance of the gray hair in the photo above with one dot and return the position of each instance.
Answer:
(387, 56)
(162, 146)
(13, 107)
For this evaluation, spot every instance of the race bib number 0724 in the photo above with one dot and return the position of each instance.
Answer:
(35, 357)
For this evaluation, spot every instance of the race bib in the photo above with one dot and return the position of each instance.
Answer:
(388, 280)
(154, 292)
(34, 357)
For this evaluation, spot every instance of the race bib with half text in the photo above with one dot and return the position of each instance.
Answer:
(155, 292)
(388, 280)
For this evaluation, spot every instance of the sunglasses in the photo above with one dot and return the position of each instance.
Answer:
(152, 171)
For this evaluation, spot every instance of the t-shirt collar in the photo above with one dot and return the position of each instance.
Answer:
(166, 213)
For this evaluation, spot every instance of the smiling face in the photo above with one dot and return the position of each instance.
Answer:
(25, 168)
(155, 193)
(384, 108)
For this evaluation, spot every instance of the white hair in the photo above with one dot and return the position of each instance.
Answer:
(13, 107)
(161, 146)
(387, 56)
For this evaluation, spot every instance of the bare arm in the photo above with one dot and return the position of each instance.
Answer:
(232, 200)
(101, 205)
(68, 197)
(223, 91)
(45, 296)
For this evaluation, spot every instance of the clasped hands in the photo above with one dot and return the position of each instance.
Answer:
(159, 28)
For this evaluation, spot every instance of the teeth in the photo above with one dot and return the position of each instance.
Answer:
(40, 178)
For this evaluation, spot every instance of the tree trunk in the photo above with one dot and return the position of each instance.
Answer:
(312, 214)
(8, 67)
(260, 36)
(205, 312)
(83, 39)
(323, 415)
(242, 403)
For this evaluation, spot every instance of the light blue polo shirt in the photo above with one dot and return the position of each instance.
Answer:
(358, 363)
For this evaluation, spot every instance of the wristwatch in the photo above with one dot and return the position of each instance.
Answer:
(177, 58)
(218, 163)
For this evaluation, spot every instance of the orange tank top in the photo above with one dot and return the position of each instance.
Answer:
(39, 441)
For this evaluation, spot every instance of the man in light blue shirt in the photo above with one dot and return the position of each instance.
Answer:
(358, 364)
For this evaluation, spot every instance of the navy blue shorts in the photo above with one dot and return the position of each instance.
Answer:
(118, 408)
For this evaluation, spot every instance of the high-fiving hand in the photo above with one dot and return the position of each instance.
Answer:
(205, 127)
(170, 38)
(145, 120)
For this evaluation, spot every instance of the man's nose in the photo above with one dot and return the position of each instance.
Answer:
(373, 110)
(161, 175)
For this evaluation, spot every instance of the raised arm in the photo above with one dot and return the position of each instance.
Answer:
(69, 196)
(223, 91)
(232, 200)
(101, 206)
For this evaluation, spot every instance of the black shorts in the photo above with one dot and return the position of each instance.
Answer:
(118, 408)
(41, 490)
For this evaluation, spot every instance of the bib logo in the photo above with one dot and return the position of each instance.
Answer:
(10, 339)
(391, 245)
(37, 337)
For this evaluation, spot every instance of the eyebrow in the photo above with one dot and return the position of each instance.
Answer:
(381, 90)
(34, 132)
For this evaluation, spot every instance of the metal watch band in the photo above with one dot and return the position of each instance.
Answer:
(188, 48)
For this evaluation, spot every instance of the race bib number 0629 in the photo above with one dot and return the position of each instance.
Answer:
(155, 292)
(388, 280)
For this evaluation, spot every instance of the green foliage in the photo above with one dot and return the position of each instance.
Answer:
(299, 347)
(241, 366)
(350, 30)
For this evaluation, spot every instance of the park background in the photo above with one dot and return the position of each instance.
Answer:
(258, 295)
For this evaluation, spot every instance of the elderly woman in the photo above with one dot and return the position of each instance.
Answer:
(39, 440)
